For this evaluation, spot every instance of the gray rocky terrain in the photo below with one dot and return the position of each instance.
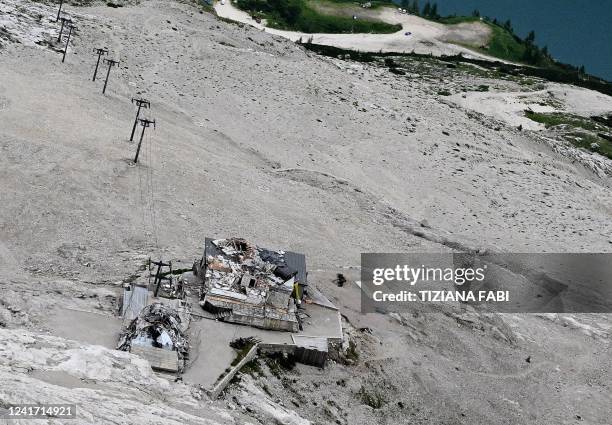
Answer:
(258, 138)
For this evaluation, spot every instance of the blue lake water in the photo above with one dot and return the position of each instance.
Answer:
(578, 32)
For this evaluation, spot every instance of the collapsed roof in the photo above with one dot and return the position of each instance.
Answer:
(244, 283)
(242, 251)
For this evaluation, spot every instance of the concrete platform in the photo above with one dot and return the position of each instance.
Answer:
(323, 322)
(210, 351)
(85, 327)
(211, 354)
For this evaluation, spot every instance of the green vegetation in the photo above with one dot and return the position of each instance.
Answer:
(374, 4)
(243, 346)
(207, 6)
(559, 118)
(588, 140)
(587, 133)
(393, 67)
(351, 351)
(371, 398)
(336, 16)
(253, 368)
(503, 43)
(559, 74)
(297, 15)
(279, 363)
(454, 20)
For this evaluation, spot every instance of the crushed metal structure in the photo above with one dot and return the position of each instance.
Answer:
(158, 333)
(249, 285)
(239, 283)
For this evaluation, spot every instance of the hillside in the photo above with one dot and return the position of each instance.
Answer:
(260, 138)
(415, 34)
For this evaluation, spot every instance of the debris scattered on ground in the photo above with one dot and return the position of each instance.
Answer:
(250, 285)
(157, 326)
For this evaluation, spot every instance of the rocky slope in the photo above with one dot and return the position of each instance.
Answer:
(258, 138)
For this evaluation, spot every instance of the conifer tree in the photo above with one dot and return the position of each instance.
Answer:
(433, 13)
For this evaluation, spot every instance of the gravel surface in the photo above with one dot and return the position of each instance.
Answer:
(258, 138)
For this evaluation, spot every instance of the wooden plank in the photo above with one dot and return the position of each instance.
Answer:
(160, 359)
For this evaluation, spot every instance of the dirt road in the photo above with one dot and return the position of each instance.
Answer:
(425, 37)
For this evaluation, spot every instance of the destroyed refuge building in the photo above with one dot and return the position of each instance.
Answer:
(249, 285)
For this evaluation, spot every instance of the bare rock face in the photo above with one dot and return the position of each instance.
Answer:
(259, 138)
(103, 383)
(31, 26)
(251, 398)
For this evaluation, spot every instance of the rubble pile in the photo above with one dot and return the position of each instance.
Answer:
(158, 326)
(246, 269)
(171, 287)
(246, 284)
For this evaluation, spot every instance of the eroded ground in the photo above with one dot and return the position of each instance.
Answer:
(257, 138)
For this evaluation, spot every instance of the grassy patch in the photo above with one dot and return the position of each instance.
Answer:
(297, 15)
(588, 141)
(279, 363)
(505, 45)
(559, 118)
(351, 351)
(243, 346)
(206, 5)
(603, 120)
(352, 4)
(454, 20)
(583, 132)
(253, 368)
(371, 398)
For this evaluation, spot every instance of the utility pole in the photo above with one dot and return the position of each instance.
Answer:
(144, 122)
(59, 10)
(100, 52)
(70, 29)
(64, 20)
(110, 63)
(142, 103)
